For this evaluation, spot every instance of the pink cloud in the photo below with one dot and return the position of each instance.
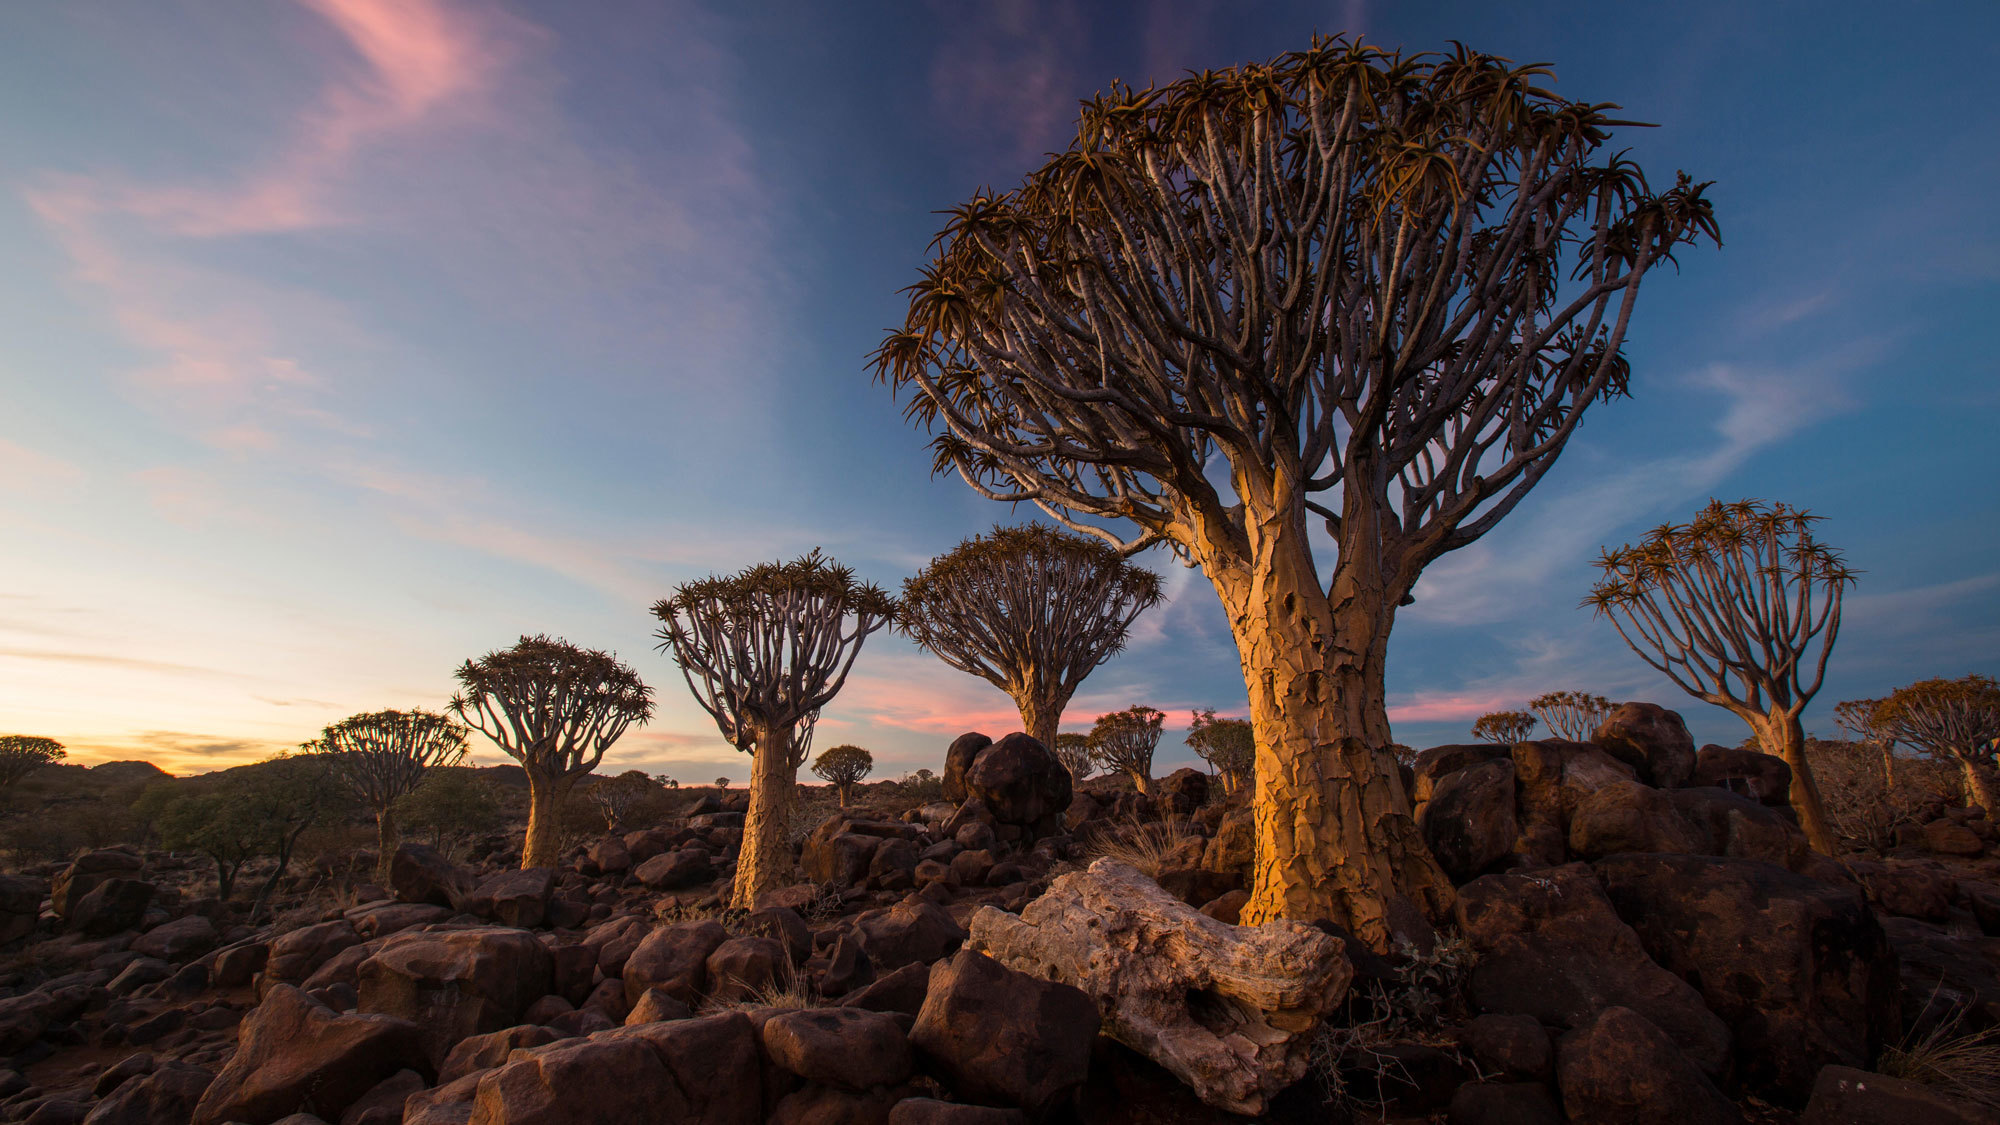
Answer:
(31, 471)
(1441, 708)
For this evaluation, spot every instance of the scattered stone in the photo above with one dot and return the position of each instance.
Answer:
(930, 1111)
(1511, 1045)
(1652, 740)
(418, 873)
(1845, 1096)
(518, 898)
(293, 1048)
(957, 760)
(296, 955)
(168, 1093)
(1503, 1103)
(20, 906)
(1626, 816)
(112, 905)
(1620, 1069)
(1763, 778)
(455, 983)
(845, 1046)
(1021, 782)
(654, 1006)
(1469, 820)
(482, 1052)
(911, 931)
(743, 967)
(84, 874)
(674, 959)
(676, 869)
(996, 1034)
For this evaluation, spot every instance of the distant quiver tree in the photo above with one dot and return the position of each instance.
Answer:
(555, 708)
(1125, 740)
(1031, 610)
(1739, 607)
(1349, 286)
(1572, 715)
(763, 651)
(1857, 717)
(842, 767)
(382, 755)
(1076, 754)
(1507, 727)
(23, 754)
(1229, 746)
(1954, 720)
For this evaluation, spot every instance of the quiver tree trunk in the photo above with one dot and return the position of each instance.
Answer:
(764, 861)
(1782, 733)
(1979, 784)
(543, 844)
(1041, 714)
(385, 842)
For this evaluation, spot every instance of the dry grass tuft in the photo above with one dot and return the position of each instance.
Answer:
(1142, 845)
(1951, 1060)
(791, 990)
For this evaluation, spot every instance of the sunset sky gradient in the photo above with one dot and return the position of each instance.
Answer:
(341, 340)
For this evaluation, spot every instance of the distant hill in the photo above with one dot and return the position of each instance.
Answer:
(128, 773)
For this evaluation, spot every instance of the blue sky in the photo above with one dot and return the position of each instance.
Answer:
(341, 340)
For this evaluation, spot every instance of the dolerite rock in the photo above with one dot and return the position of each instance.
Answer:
(383, 1103)
(958, 759)
(1229, 1010)
(655, 1006)
(1469, 820)
(1439, 762)
(1503, 1103)
(1763, 778)
(421, 874)
(1629, 817)
(1800, 970)
(743, 967)
(1233, 848)
(834, 855)
(24, 1018)
(482, 1052)
(20, 906)
(1944, 972)
(673, 959)
(380, 919)
(610, 855)
(911, 931)
(1184, 790)
(1946, 837)
(1552, 947)
(901, 991)
(1021, 782)
(1734, 825)
(169, 1093)
(684, 867)
(1652, 740)
(455, 983)
(235, 965)
(1619, 1069)
(715, 1062)
(178, 940)
(601, 1079)
(86, 872)
(514, 898)
(893, 867)
(784, 926)
(448, 1103)
(843, 1046)
(293, 1048)
(110, 906)
(998, 1035)
(1510, 1045)
(1845, 1096)
(1551, 778)
(296, 955)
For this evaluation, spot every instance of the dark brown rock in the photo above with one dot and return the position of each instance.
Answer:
(957, 760)
(910, 931)
(1510, 1045)
(716, 1062)
(1503, 1103)
(418, 873)
(743, 967)
(655, 1006)
(930, 1111)
(673, 959)
(168, 1093)
(293, 1048)
(1652, 740)
(836, 856)
(482, 1052)
(1845, 1096)
(1183, 791)
(455, 983)
(513, 898)
(1733, 825)
(1020, 782)
(178, 940)
(901, 991)
(848, 1047)
(603, 1080)
(297, 955)
(84, 874)
(1629, 817)
(1763, 778)
(1439, 762)
(1551, 777)
(1619, 1069)
(1469, 820)
(383, 1105)
(1004, 1036)
(676, 869)
(112, 905)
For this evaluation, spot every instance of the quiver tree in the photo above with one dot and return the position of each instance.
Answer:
(382, 755)
(1124, 740)
(1077, 755)
(1739, 607)
(1506, 727)
(1954, 720)
(843, 766)
(23, 754)
(1573, 715)
(1348, 286)
(616, 797)
(1031, 610)
(1857, 717)
(555, 708)
(1229, 746)
(763, 651)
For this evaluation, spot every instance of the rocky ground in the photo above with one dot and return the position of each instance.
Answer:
(1641, 936)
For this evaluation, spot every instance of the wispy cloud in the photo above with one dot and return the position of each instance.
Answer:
(32, 472)
(1010, 73)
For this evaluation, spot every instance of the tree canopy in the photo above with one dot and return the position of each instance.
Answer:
(1229, 746)
(1125, 740)
(1573, 715)
(1506, 727)
(552, 706)
(842, 767)
(23, 754)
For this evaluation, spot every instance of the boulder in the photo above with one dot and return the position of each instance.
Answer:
(833, 855)
(1503, 1103)
(1619, 1069)
(1626, 816)
(893, 867)
(1514, 1046)
(901, 991)
(1551, 777)
(912, 931)
(1944, 972)
(997, 1035)
(1800, 970)
(1734, 825)
(1439, 762)
(1020, 782)
(20, 906)
(1229, 1010)
(169, 1093)
(85, 872)
(744, 967)
(112, 905)
(957, 760)
(296, 955)
(784, 925)
(519, 899)
(1551, 946)
(1947, 837)
(848, 1047)
(1469, 820)
(930, 1111)
(1652, 740)
(178, 940)
(716, 1063)
(1763, 778)
(610, 855)
(292, 1048)
(418, 873)
(656, 1006)
(235, 965)
(1182, 791)
(383, 1105)
(380, 919)
(601, 1080)
(455, 983)
(684, 867)
(1846, 1096)
(475, 1053)
(673, 959)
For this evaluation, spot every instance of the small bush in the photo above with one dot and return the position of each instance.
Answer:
(1143, 845)
(1950, 1059)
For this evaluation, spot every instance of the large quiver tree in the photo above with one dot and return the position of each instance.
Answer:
(555, 708)
(763, 651)
(1739, 607)
(1347, 286)
(23, 754)
(1031, 610)
(382, 755)
(1954, 720)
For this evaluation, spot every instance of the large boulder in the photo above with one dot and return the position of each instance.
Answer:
(1469, 819)
(1440, 762)
(673, 959)
(912, 931)
(519, 899)
(455, 983)
(1229, 1010)
(170, 1093)
(1652, 740)
(845, 1046)
(1800, 970)
(715, 1062)
(683, 867)
(1734, 825)
(85, 872)
(1020, 782)
(1763, 778)
(1552, 947)
(835, 855)
(997, 1035)
(1629, 817)
(178, 940)
(297, 955)
(601, 1080)
(1182, 791)
(292, 1048)
(1551, 778)
(1845, 1096)
(419, 873)
(111, 906)
(1617, 1068)
(957, 760)
(20, 906)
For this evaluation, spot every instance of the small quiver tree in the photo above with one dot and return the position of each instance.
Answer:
(1953, 720)
(616, 798)
(1347, 286)
(383, 755)
(451, 804)
(23, 754)
(1229, 746)
(239, 815)
(763, 651)
(1739, 607)
(555, 708)
(1857, 717)
(1504, 727)
(843, 766)
(1076, 754)
(1571, 715)
(1031, 610)
(1125, 740)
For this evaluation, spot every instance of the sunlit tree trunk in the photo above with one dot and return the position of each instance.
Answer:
(543, 844)
(764, 862)
(1978, 783)
(1041, 711)
(1781, 733)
